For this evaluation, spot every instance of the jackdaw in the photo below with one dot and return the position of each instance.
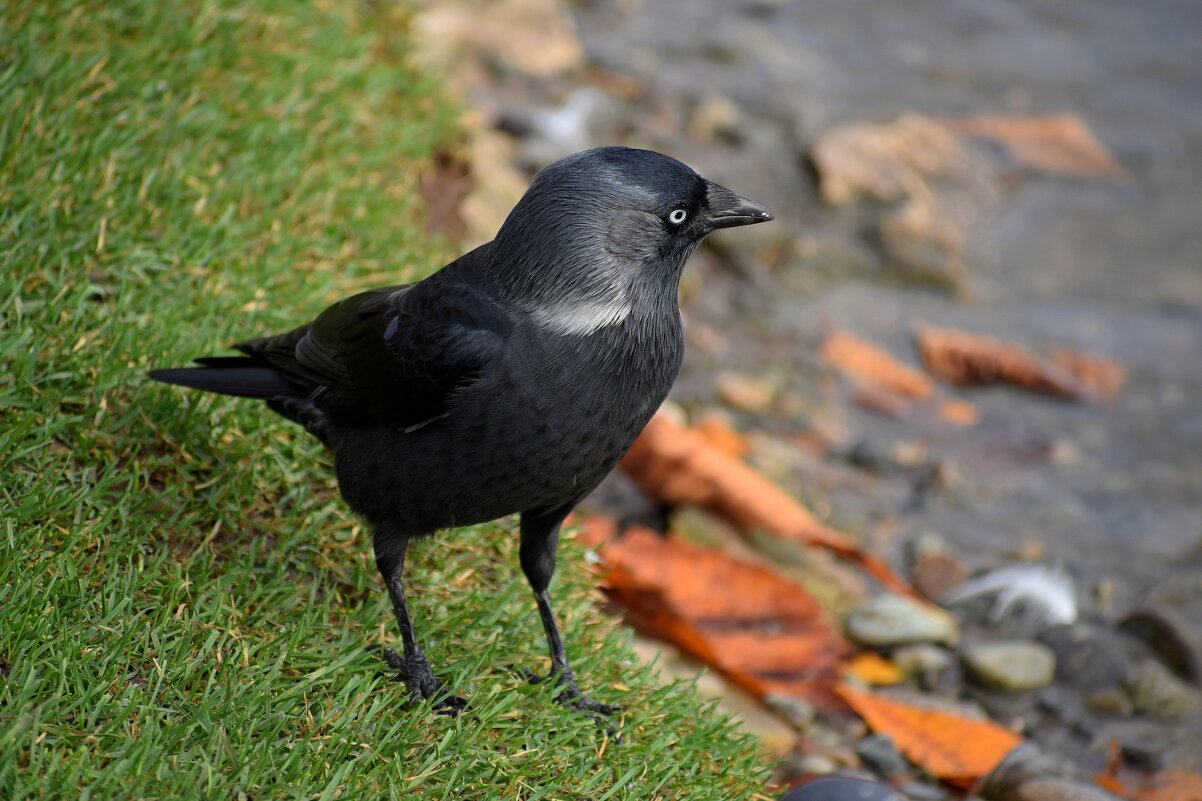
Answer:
(510, 381)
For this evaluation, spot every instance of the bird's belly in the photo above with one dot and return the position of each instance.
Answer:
(538, 443)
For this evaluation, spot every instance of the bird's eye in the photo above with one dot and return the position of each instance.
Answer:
(678, 216)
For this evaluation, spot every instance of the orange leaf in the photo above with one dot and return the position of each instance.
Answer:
(678, 466)
(966, 359)
(1102, 377)
(947, 746)
(884, 385)
(872, 668)
(872, 366)
(762, 631)
(1061, 144)
(958, 412)
(722, 436)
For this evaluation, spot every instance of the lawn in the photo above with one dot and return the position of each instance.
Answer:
(185, 605)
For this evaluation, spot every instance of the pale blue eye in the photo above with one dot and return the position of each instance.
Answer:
(678, 216)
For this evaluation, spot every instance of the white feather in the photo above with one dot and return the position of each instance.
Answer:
(1048, 592)
(578, 317)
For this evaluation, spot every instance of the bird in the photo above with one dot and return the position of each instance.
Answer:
(510, 381)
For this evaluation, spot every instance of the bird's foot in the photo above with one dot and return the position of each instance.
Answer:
(571, 695)
(423, 684)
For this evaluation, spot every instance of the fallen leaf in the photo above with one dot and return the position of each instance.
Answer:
(886, 161)
(872, 668)
(881, 401)
(866, 363)
(958, 412)
(444, 185)
(947, 746)
(762, 631)
(1102, 377)
(1061, 144)
(887, 386)
(966, 359)
(722, 436)
(677, 466)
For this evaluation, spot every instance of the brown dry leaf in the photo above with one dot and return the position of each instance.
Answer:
(444, 186)
(1060, 144)
(885, 161)
(762, 631)
(966, 359)
(882, 402)
(722, 436)
(677, 466)
(958, 412)
(1102, 377)
(873, 669)
(872, 366)
(950, 747)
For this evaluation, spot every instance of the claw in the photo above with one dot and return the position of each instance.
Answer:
(423, 684)
(571, 695)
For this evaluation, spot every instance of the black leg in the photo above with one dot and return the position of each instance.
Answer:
(540, 538)
(390, 559)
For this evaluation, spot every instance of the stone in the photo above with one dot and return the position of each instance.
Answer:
(895, 620)
(885, 162)
(1011, 665)
(536, 37)
(1089, 656)
(716, 118)
(842, 787)
(1111, 701)
(797, 712)
(937, 574)
(923, 660)
(1169, 635)
(879, 753)
(810, 765)
(920, 791)
(745, 392)
(1155, 690)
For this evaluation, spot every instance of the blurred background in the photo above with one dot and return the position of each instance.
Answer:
(1022, 170)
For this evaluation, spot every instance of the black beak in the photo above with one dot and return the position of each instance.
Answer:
(726, 209)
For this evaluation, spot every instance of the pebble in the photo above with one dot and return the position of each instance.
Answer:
(895, 620)
(797, 712)
(1170, 636)
(840, 788)
(1111, 701)
(929, 664)
(1089, 656)
(878, 752)
(918, 791)
(937, 574)
(1154, 690)
(1011, 665)
(810, 765)
(1029, 773)
(744, 392)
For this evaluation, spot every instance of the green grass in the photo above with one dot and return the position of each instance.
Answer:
(184, 602)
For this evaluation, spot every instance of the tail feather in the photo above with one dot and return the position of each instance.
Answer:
(231, 375)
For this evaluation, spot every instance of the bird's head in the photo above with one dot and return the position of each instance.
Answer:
(613, 222)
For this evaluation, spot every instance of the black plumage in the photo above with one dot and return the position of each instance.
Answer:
(510, 381)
